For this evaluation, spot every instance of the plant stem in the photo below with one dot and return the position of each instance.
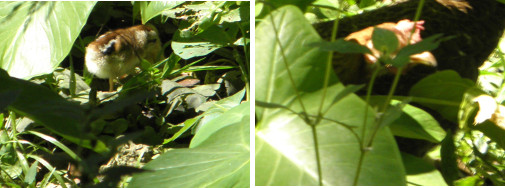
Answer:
(363, 130)
(72, 84)
(328, 65)
(284, 60)
(318, 159)
(364, 148)
(325, 89)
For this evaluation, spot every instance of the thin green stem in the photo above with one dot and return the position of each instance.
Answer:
(318, 159)
(377, 123)
(392, 90)
(284, 60)
(325, 89)
(72, 84)
(367, 100)
(363, 130)
(328, 65)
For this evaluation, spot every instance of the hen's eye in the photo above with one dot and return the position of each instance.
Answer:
(109, 49)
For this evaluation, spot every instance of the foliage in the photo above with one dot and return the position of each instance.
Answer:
(32, 33)
(311, 127)
(291, 138)
(59, 128)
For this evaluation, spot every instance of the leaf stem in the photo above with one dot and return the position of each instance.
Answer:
(325, 89)
(284, 60)
(365, 148)
(362, 142)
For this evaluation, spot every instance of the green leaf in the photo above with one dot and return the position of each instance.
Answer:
(417, 124)
(37, 36)
(8, 97)
(366, 3)
(209, 125)
(341, 46)
(392, 113)
(47, 108)
(222, 160)
(421, 173)
(156, 8)
(469, 181)
(220, 109)
(449, 165)
(446, 86)
(55, 142)
(285, 150)
(384, 40)
(185, 126)
(32, 172)
(215, 26)
(426, 44)
(301, 4)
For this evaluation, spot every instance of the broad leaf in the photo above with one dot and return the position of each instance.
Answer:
(222, 160)
(384, 40)
(449, 164)
(421, 172)
(223, 118)
(37, 36)
(285, 149)
(46, 108)
(444, 86)
(418, 124)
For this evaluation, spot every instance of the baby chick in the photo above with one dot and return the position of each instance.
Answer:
(118, 52)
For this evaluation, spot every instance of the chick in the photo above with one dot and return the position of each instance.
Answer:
(118, 52)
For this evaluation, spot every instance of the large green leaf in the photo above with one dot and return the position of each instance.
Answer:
(443, 86)
(37, 36)
(222, 160)
(285, 149)
(46, 108)
(418, 124)
(225, 112)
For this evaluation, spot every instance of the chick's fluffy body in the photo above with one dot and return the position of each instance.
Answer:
(117, 52)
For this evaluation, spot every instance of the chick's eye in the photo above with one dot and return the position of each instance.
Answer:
(109, 49)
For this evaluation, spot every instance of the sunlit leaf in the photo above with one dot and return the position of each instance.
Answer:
(38, 35)
(156, 8)
(221, 160)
